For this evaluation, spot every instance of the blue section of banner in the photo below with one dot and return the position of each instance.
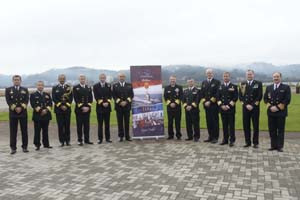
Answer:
(150, 108)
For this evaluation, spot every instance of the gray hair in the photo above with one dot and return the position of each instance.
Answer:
(209, 70)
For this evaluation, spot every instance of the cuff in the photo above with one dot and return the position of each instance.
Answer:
(231, 103)
(13, 107)
(100, 101)
(177, 101)
(168, 102)
(213, 99)
(24, 105)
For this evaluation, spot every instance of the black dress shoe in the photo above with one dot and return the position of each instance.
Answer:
(13, 151)
(108, 141)
(48, 147)
(272, 149)
(188, 139)
(255, 146)
(247, 145)
(88, 142)
(99, 141)
(214, 141)
(128, 139)
(80, 143)
(68, 144)
(178, 138)
(37, 148)
(121, 139)
(62, 144)
(223, 143)
(280, 150)
(25, 150)
(170, 138)
(208, 140)
(231, 144)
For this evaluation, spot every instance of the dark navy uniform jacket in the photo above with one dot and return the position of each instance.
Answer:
(39, 102)
(281, 98)
(17, 98)
(226, 95)
(173, 95)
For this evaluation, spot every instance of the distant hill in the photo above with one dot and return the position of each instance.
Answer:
(262, 70)
(72, 73)
(50, 76)
(288, 71)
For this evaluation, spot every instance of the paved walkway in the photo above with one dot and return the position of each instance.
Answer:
(150, 169)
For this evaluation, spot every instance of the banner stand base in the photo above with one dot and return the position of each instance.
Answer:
(148, 137)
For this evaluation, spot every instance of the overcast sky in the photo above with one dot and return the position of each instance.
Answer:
(38, 35)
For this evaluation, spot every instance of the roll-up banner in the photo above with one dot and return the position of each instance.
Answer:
(147, 104)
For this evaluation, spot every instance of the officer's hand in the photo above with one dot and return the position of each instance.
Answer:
(249, 107)
(18, 110)
(85, 109)
(207, 103)
(274, 109)
(173, 105)
(64, 108)
(188, 108)
(123, 103)
(44, 112)
(223, 107)
(105, 104)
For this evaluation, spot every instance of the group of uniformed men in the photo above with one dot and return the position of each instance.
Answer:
(63, 94)
(221, 98)
(217, 98)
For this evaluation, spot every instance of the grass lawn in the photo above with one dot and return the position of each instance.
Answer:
(292, 123)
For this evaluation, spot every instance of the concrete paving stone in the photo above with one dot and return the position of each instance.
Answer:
(149, 170)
